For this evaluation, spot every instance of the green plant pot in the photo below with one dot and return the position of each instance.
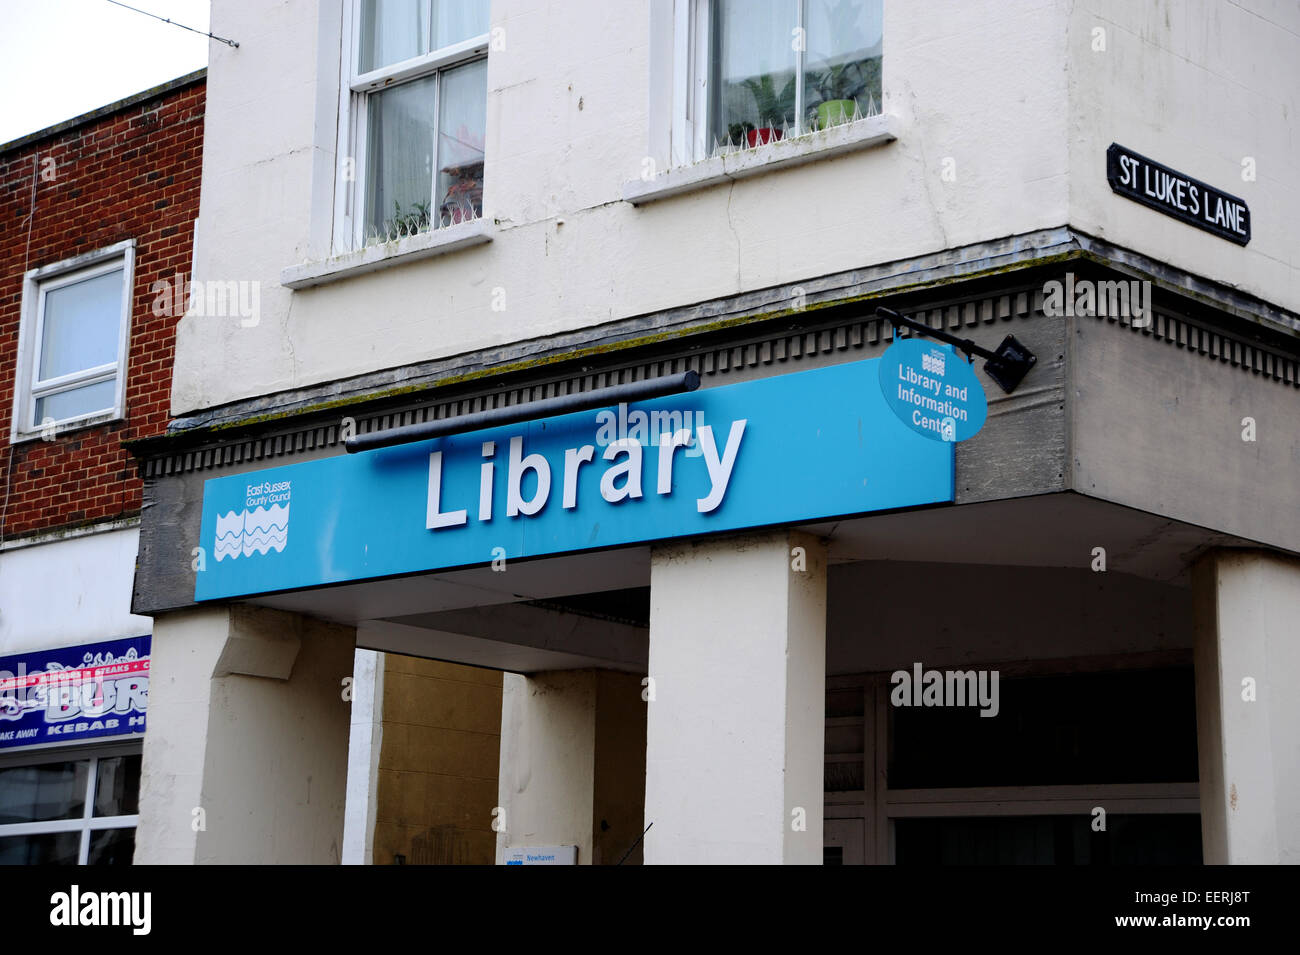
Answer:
(833, 112)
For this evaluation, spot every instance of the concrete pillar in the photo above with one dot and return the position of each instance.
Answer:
(245, 756)
(366, 737)
(736, 733)
(1246, 605)
(573, 763)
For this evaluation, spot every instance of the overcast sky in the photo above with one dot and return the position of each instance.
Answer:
(62, 58)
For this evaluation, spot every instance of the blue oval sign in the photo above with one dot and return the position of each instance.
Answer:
(933, 390)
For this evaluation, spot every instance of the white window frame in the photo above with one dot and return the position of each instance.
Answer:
(691, 70)
(87, 822)
(690, 116)
(37, 283)
(354, 95)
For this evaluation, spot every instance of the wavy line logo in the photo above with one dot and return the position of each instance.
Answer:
(252, 532)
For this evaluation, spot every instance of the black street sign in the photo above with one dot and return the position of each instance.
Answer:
(1176, 194)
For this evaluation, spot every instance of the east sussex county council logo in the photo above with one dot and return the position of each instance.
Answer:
(263, 524)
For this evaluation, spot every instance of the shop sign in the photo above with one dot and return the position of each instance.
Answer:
(1177, 194)
(70, 694)
(795, 448)
(932, 390)
(543, 855)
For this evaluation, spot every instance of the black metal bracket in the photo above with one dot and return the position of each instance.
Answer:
(542, 408)
(1008, 365)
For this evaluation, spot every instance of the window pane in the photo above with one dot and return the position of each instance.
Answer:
(752, 85)
(43, 792)
(117, 787)
(457, 20)
(460, 143)
(76, 402)
(392, 31)
(49, 848)
(1050, 732)
(400, 159)
(81, 325)
(111, 847)
(842, 69)
(1146, 839)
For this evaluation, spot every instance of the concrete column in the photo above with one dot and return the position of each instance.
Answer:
(1247, 710)
(736, 733)
(365, 741)
(573, 763)
(245, 755)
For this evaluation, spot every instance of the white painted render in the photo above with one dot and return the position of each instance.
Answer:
(365, 738)
(735, 734)
(568, 126)
(548, 761)
(68, 591)
(1202, 86)
(244, 766)
(1247, 665)
(186, 647)
(1011, 93)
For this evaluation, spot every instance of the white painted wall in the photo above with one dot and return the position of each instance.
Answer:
(366, 736)
(186, 647)
(1247, 607)
(548, 761)
(735, 735)
(69, 591)
(1012, 93)
(1198, 85)
(981, 81)
(258, 755)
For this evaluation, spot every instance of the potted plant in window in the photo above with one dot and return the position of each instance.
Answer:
(840, 87)
(739, 132)
(405, 222)
(773, 108)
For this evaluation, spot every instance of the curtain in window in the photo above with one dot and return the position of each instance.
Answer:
(457, 20)
(754, 69)
(400, 159)
(396, 30)
(392, 31)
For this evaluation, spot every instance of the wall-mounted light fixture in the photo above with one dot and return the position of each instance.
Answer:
(1008, 365)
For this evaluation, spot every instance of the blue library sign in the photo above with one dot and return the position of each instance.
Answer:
(933, 390)
(790, 449)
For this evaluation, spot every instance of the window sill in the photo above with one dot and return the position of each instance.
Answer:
(64, 428)
(396, 252)
(812, 147)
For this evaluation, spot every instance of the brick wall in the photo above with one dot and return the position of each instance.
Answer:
(131, 173)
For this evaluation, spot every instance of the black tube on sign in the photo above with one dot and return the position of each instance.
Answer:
(546, 408)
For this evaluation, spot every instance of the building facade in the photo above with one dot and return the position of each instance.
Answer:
(566, 382)
(98, 219)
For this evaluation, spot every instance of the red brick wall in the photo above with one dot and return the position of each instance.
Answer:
(131, 174)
